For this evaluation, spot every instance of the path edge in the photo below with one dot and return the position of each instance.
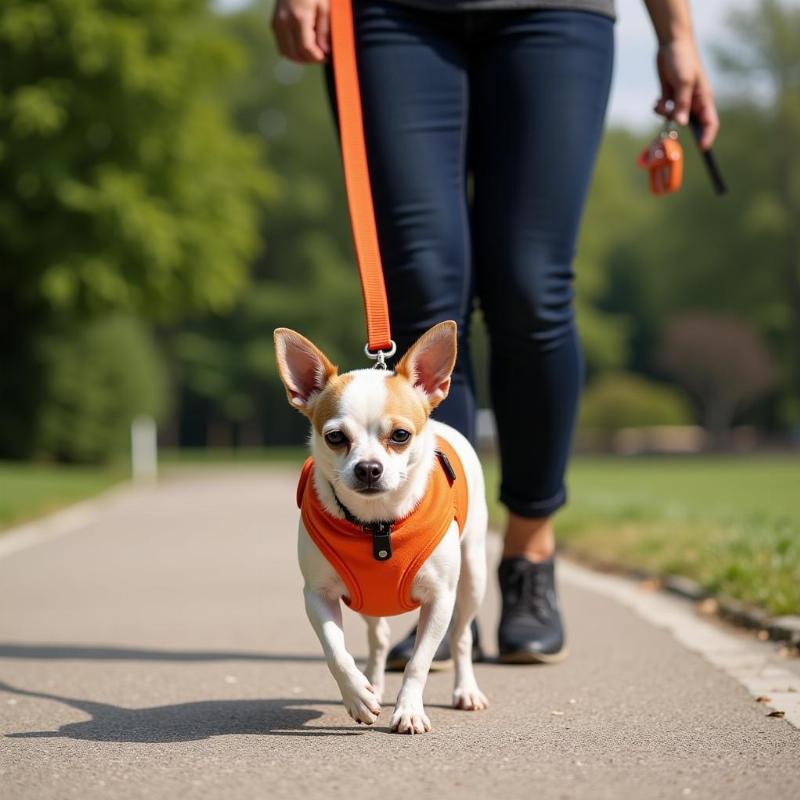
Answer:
(72, 518)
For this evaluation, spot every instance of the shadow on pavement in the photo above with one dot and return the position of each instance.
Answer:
(185, 722)
(106, 653)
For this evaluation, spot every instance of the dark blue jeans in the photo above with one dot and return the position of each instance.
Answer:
(514, 99)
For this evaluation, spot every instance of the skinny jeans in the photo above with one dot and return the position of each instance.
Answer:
(481, 130)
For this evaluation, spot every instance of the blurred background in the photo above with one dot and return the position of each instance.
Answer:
(170, 192)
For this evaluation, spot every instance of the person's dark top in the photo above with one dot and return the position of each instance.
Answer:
(605, 7)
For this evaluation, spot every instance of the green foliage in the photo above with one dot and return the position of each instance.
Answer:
(122, 184)
(738, 255)
(99, 380)
(306, 277)
(614, 218)
(124, 187)
(623, 400)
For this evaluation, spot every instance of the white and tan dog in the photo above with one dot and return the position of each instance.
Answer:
(374, 449)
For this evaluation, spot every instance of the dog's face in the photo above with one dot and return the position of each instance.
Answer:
(366, 425)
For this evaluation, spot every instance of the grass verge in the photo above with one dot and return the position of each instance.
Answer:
(730, 523)
(32, 490)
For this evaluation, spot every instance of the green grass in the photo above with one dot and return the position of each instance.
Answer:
(730, 523)
(31, 490)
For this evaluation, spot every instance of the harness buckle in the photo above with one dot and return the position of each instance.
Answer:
(381, 540)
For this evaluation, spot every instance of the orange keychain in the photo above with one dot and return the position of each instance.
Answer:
(663, 159)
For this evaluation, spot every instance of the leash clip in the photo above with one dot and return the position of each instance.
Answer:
(381, 355)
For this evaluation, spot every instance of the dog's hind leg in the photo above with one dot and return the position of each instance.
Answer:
(378, 635)
(358, 694)
(471, 588)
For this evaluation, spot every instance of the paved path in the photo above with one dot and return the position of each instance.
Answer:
(162, 651)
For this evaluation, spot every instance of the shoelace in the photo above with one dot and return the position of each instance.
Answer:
(526, 592)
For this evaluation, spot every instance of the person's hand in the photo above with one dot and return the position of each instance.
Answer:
(302, 29)
(684, 83)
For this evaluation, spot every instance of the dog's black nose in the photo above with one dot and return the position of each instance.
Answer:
(368, 472)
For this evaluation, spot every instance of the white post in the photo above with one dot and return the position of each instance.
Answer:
(144, 449)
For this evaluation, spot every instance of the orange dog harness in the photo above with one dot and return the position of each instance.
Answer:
(378, 564)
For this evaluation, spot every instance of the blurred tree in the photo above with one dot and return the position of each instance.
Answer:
(123, 185)
(720, 362)
(98, 381)
(738, 255)
(616, 215)
(618, 400)
(767, 56)
(304, 278)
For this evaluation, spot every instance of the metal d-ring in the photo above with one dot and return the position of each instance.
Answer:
(381, 355)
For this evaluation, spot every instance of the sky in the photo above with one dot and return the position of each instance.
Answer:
(635, 86)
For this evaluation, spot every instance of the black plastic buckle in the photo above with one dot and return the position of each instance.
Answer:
(381, 540)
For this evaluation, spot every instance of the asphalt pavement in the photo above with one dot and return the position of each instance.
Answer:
(160, 650)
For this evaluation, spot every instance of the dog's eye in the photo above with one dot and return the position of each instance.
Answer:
(335, 438)
(400, 436)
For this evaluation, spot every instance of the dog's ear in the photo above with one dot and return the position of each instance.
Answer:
(303, 367)
(429, 361)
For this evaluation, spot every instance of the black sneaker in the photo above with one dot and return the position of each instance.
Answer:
(530, 630)
(401, 653)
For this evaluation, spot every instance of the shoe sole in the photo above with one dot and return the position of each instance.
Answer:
(524, 657)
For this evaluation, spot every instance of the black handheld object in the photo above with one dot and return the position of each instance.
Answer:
(708, 157)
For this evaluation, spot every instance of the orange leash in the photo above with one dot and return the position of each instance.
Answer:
(356, 177)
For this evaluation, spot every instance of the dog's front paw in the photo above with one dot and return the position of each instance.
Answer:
(360, 701)
(469, 698)
(409, 717)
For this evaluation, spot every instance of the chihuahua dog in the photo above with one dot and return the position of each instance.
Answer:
(393, 517)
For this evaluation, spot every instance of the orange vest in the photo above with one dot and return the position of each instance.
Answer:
(382, 588)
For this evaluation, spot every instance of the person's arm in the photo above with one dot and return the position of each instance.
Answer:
(683, 79)
(302, 29)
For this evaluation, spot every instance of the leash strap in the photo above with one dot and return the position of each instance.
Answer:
(356, 177)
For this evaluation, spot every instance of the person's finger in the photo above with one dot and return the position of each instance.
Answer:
(683, 101)
(283, 36)
(302, 29)
(706, 111)
(323, 30)
(705, 108)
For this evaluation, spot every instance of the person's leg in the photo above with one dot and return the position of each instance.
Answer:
(540, 82)
(413, 80)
